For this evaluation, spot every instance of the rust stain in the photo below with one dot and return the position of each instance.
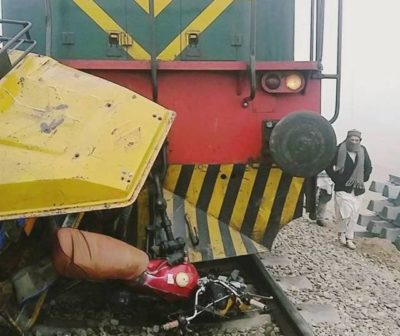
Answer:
(21, 81)
(61, 107)
(48, 128)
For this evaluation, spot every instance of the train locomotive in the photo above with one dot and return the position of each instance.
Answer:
(89, 141)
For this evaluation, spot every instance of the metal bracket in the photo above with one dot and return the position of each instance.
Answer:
(252, 64)
(33, 280)
(153, 52)
(267, 126)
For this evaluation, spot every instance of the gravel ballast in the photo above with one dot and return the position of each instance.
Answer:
(362, 285)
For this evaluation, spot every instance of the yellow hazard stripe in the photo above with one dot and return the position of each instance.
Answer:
(215, 207)
(220, 187)
(291, 199)
(159, 5)
(217, 245)
(172, 177)
(105, 22)
(243, 198)
(196, 182)
(199, 24)
(268, 201)
(237, 241)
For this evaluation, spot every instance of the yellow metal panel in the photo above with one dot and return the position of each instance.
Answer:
(72, 142)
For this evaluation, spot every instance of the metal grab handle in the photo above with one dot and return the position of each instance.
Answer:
(338, 75)
(252, 65)
(252, 71)
(319, 48)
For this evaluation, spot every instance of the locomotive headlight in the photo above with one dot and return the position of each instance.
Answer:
(294, 82)
(182, 279)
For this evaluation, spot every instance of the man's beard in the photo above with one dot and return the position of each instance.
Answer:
(352, 147)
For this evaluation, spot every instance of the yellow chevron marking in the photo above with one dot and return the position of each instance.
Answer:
(243, 198)
(266, 204)
(143, 216)
(291, 200)
(159, 5)
(215, 238)
(219, 191)
(172, 177)
(199, 24)
(190, 210)
(196, 182)
(237, 242)
(105, 22)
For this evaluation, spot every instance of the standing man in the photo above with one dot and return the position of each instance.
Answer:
(349, 170)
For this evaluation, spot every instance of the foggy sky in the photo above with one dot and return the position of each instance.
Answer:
(370, 99)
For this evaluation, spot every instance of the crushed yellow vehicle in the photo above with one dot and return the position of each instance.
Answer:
(72, 142)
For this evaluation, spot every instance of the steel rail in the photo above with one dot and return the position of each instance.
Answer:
(288, 318)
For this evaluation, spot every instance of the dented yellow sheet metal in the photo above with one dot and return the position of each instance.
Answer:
(72, 142)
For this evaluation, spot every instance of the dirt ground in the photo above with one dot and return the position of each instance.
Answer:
(381, 250)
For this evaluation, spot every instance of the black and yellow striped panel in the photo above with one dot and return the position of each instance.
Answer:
(217, 240)
(256, 200)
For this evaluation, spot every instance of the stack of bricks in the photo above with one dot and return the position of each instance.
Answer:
(385, 223)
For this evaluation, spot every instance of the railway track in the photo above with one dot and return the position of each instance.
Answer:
(108, 309)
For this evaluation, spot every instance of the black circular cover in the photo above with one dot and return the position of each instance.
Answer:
(303, 144)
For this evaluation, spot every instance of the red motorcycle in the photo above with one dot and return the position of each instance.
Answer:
(167, 275)
(86, 255)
